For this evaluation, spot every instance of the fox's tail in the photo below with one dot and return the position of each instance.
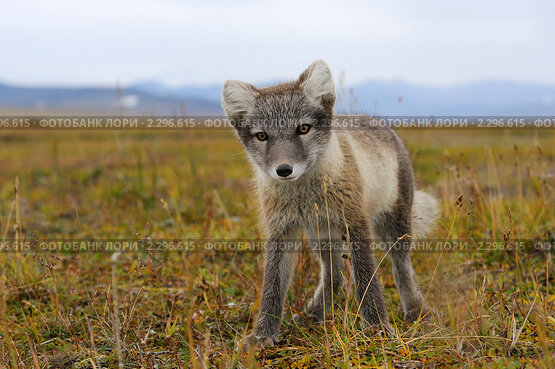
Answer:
(425, 210)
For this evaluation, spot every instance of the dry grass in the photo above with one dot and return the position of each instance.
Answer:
(173, 310)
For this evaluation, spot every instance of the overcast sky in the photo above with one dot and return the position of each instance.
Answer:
(201, 42)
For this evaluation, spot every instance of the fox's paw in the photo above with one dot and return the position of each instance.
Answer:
(421, 313)
(300, 320)
(253, 341)
(377, 329)
(304, 320)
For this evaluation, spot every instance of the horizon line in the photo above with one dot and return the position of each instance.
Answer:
(262, 84)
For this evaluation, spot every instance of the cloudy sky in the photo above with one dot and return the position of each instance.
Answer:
(208, 41)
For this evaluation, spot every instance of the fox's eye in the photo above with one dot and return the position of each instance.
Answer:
(303, 129)
(262, 136)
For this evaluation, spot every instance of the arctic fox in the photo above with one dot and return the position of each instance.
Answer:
(360, 180)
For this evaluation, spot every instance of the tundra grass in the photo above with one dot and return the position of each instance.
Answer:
(491, 307)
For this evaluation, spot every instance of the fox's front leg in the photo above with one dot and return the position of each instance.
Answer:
(279, 263)
(368, 288)
(331, 277)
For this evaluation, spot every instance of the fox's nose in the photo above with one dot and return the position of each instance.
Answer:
(284, 170)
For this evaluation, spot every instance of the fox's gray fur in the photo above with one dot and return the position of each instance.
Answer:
(360, 180)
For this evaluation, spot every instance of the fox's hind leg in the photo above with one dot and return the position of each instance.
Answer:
(368, 288)
(390, 226)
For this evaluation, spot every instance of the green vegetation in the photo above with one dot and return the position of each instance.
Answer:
(172, 310)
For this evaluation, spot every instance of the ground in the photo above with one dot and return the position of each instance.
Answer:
(493, 303)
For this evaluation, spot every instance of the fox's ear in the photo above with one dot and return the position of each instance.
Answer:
(237, 98)
(317, 84)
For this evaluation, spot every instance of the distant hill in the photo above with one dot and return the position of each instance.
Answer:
(102, 100)
(211, 92)
(374, 98)
(483, 98)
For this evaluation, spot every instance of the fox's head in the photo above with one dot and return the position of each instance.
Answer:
(284, 128)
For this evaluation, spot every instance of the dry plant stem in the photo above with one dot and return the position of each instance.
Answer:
(347, 268)
(6, 227)
(328, 359)
(117, 328)
(17, 225)
(324, 186)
